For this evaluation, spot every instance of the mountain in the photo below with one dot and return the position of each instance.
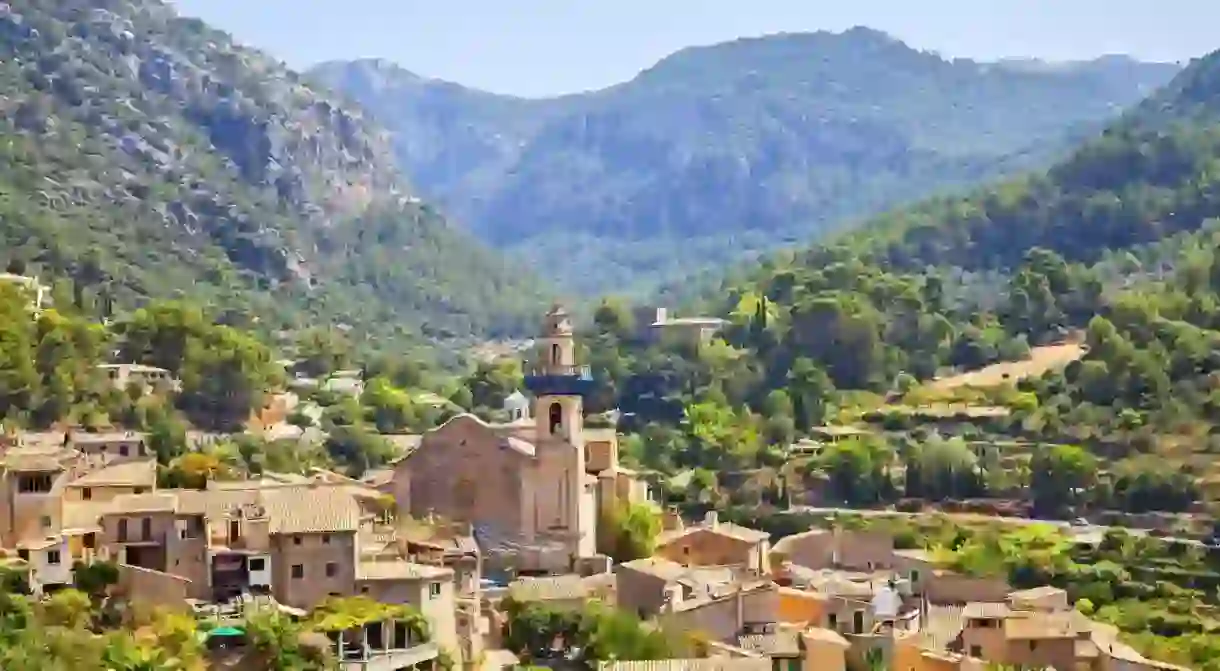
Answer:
(719, 152)
(145, 154)
(1148, 176)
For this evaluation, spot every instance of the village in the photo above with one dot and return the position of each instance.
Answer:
(478, 518)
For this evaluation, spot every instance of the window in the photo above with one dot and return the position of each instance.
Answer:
(258, 564)
(858, 622)
(364, 589)
(914, 575)
(555, 355)
(434, 590)
(34, 483)
(122, 530)
(686, 550)
(298, 571)
(832, 621)
(53, 557)
(326, 539)
(556, 415)
(137, 490)
(90, 540)
(296, 540)
(1033, 645)
(331, 569)
(146, 528)
(46, 521)
(976, 651)
(234, 530)
(122, 450)
(86, 494)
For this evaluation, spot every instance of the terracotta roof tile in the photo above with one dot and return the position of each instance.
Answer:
(36, 459)
(141, 473)
(311, 509)
(786, 543)
(826, 636)
(400, 570)
(978, 610)
(157, 502)
(1034, 626)
(560, 588)
(658, 567)
(725, 529)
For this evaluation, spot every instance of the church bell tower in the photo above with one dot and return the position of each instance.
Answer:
(557, 383)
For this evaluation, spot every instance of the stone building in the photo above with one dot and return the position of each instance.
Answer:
(529, 489)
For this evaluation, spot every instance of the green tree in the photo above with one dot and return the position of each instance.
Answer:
(628, 532)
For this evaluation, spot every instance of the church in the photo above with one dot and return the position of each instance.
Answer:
(533, 489)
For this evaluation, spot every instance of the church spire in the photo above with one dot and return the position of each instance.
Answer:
(557, 382)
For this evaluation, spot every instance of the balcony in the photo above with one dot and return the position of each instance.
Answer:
(559, 380)
(420, 656)
(141, 537)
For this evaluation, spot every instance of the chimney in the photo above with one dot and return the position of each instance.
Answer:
(711, 520)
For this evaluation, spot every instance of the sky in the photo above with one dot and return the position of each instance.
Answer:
(547, 47)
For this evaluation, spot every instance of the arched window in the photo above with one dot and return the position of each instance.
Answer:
(556, 417)
(555, 354)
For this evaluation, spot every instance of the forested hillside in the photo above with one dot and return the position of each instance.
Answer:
(719, 152)
(144, 154)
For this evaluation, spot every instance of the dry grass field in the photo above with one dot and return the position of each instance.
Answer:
(1041, 360)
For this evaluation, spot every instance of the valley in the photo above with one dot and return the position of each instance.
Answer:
(307, 370)
(720, 154)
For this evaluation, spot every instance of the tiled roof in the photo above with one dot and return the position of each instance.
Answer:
(786, 543)
(143, 503)
(561, 588)
(213, 502)
(35, 459)
(311, 509)
(657, 566)
(1034, 626)
(918, 555)
(39, 544)
(726, 529)
(400, 570)
(1036, 593)
(142, 473)
(711, 664)
(978, 610)
(779, 644)
(826, 636)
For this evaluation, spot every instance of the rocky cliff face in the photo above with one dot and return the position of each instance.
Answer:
(215, 164)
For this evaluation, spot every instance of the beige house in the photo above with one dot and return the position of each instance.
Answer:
(530, 489)
(716, 543)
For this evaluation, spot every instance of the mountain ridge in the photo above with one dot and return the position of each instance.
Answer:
(165, 157)
(719, 152)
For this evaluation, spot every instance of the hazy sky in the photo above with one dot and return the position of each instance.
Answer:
(543, 47)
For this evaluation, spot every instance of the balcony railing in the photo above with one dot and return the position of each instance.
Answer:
(138, 536)
(542, 370)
